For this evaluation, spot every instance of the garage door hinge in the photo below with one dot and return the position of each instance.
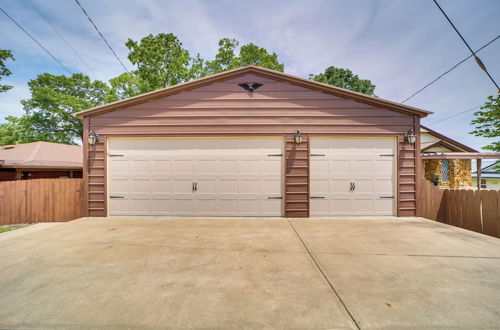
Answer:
(110, 155)
(386, 197)
(317, 197)
(275, 155)
(318, 155)
(275, 197)
(116, 197)
(387, 155)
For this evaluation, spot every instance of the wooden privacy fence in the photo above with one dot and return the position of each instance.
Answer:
(476, 210)
(40, 200)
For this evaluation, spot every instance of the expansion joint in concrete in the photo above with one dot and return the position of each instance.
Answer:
(330, 284)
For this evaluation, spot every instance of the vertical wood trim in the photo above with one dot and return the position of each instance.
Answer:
(398, 177)
(308, 176)
(418, 164)
(106, 200)
(85, 145)
(297, 177)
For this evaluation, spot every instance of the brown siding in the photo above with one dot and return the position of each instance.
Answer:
(296, 177)
(96, 179)
(276, 108)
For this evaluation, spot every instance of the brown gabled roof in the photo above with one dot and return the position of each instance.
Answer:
(41, 154)
(341, 92)
(445, 142)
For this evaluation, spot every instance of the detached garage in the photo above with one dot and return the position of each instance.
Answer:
(286, 147)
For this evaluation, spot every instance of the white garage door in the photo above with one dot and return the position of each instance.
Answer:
(195, 176)
(352, 176)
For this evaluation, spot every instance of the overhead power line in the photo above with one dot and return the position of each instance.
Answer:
(61, 36)
(455, 115)
(37, 42)
(478, 60)
(449, 70)
(99, 32)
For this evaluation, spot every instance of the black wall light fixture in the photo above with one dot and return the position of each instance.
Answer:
(410, 137)
(297, 137)
(93, 138)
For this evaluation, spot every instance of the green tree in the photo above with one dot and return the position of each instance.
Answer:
(161, 61)
(225, 56)
(254, 55)
(344, 78)
(49, 113)
(4, 71)
(126, 85)
(9, 132)
(249, 54)
(487, 122)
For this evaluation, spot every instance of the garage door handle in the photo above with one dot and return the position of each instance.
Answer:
(116, 197)
(317, 197)
(195, 186)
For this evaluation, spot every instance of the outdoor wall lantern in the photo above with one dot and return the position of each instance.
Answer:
(410, 137)
(297, 137)
(93, 138)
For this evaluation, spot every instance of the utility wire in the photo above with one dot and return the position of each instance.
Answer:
(99, 32)
(449, 70)
(37, 42)
(61, 36)
(457, 114)
(478, 60)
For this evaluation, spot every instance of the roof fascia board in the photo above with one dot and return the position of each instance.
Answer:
(449, 140)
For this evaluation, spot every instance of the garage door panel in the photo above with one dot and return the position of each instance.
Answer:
(382, 205)
(181, 206)
(270, 207)
(365, 164)
(161, 166)
(384, 186)
(183, 186)
(182, 166)
(234, 176)
(248, 166)
(205, 166)
(248, 187)
(162, 186)
(364, 186)
(270, 186)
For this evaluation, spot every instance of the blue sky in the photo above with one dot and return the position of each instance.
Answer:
(400, 45)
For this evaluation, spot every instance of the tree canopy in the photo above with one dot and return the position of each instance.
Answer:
(344, 78)
(160, 60)
(4, 71)
(487, 122)
(49, 113)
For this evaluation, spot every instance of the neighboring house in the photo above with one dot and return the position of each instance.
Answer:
(228, 145)
(490, 177)
(453, 173)
(39, 160)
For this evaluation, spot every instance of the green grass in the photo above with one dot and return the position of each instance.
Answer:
(6, 228)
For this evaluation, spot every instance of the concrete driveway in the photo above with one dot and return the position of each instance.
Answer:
(249, 273)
